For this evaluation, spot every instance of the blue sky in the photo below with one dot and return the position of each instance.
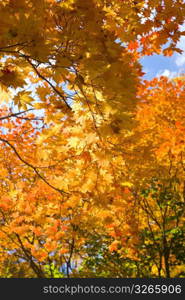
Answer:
(157, 65)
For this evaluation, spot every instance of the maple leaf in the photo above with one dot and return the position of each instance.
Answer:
(103, 169)
(23, 99)
(4, 94)
(113, 246)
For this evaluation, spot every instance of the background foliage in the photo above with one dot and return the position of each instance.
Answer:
(92, 180)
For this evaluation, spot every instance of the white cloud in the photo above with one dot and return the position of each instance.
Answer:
(168, 73)
(180, 58)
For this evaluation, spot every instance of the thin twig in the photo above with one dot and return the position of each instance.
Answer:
(31, 166)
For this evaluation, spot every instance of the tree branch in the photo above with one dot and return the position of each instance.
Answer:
(31, 166)
(15, 114)
(50, 84)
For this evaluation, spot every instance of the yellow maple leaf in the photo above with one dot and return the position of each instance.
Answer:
(4, 94)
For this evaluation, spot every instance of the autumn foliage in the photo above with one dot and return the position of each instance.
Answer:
(92, 156)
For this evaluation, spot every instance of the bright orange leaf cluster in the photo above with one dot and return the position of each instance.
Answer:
(82, 134)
